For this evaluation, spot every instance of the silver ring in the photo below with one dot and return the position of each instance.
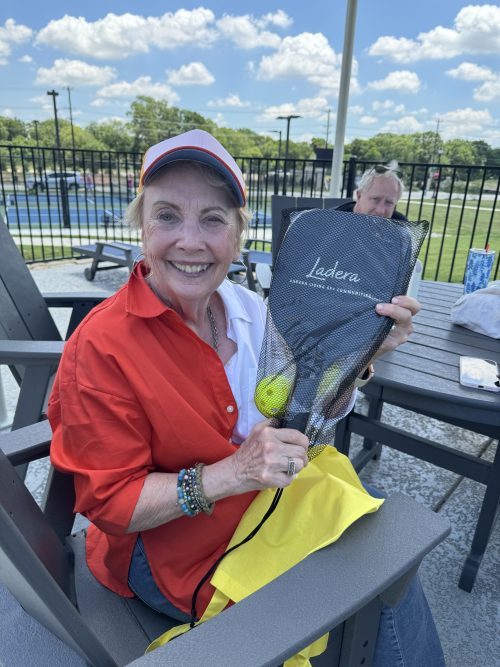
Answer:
(291, 467)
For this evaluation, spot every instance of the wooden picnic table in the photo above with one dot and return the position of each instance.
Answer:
(423, 376)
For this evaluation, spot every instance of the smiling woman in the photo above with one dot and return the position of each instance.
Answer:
(153, 409)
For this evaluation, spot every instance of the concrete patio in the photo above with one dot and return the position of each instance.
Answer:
(468, 623)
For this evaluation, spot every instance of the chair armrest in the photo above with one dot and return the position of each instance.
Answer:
(68, 299)
(316, 595)
(31, 352)
(81, 304)
(27, 444)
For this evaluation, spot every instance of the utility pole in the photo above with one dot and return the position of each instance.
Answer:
(436, 140)
(277, 162)
(38, 159)
(71, 117)
(279, 144)
(54, 94)
(327, 127)
(288, 119)
(35, 123)
(62, 181)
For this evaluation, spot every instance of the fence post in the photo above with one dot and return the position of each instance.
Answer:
(351, 177)
(64, 202)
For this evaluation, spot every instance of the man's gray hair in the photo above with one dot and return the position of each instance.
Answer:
(381, 171)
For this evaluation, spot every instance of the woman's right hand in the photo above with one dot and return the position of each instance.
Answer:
(261, 460)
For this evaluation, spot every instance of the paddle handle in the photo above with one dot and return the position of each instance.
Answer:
(298, 421)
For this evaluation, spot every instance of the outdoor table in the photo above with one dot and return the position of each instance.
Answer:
(423, 376)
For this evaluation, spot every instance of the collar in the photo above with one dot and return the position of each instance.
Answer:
(141, 300)
(231, 295)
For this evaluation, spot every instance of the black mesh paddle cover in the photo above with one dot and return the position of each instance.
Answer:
(332, 268)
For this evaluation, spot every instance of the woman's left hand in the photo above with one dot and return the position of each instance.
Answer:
(401, 310)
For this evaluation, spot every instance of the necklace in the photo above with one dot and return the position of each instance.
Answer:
(213, 329)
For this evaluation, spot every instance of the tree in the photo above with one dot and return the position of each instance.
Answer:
(11, 128)
(112, 135)
(459, 151)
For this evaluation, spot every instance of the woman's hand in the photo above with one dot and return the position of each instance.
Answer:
(401, 310)
(262, 459)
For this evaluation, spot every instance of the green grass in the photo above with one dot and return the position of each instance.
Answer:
(451, 235)
(38, 253)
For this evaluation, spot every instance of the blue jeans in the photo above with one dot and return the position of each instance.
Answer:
(407, 636)
(142, 583)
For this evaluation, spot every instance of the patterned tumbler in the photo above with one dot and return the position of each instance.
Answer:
(478, 269)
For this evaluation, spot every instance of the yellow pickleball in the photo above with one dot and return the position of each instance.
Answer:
(330, 379)
(272, 394)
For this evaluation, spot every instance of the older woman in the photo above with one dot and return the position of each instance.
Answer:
(152, 409)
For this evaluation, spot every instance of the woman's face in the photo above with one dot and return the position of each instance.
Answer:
(190, 234)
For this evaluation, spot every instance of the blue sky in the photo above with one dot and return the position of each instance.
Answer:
(416, 64)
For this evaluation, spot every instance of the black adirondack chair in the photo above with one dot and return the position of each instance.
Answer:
(30, 342)
(43, 566)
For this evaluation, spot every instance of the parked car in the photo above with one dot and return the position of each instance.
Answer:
(52, 180)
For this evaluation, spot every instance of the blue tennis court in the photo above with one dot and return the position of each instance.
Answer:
(46, 210)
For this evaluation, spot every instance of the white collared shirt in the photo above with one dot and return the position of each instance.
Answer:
(246, 320)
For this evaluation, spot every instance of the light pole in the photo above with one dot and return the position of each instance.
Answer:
(279, 144)
(277, 162)
(288, 119)
(38, 159)
(58, 162)
(54, 94)
(71, 117)
(345, 79)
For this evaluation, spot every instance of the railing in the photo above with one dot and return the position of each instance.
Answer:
(56, 198)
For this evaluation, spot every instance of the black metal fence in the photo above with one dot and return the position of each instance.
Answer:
(57, 198)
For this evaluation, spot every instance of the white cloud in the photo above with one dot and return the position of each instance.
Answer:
(356, 109)
(220, 120)
(232, 100)
(488, 91)
(111, 119)
(193, 74)
(404, 125)
(43, 102)
(246, 32)
(368, 120)
(10, 34)
(492, 137)
(279, 19)
(315, 107)
(385, 105)
(306, 56)
(141, 86)
(120, 36)
(401, 80)
(472, 72)
(476, 30)
(7, 112)
(25, 59)
(66, 72)
(465, 122)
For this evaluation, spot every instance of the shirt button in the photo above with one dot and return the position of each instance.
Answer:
(230, 408)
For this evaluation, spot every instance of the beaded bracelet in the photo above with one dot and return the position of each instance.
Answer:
(203, 503)
(190, 495)
(184, 497)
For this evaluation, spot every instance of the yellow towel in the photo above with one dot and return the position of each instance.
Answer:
(314, 511)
